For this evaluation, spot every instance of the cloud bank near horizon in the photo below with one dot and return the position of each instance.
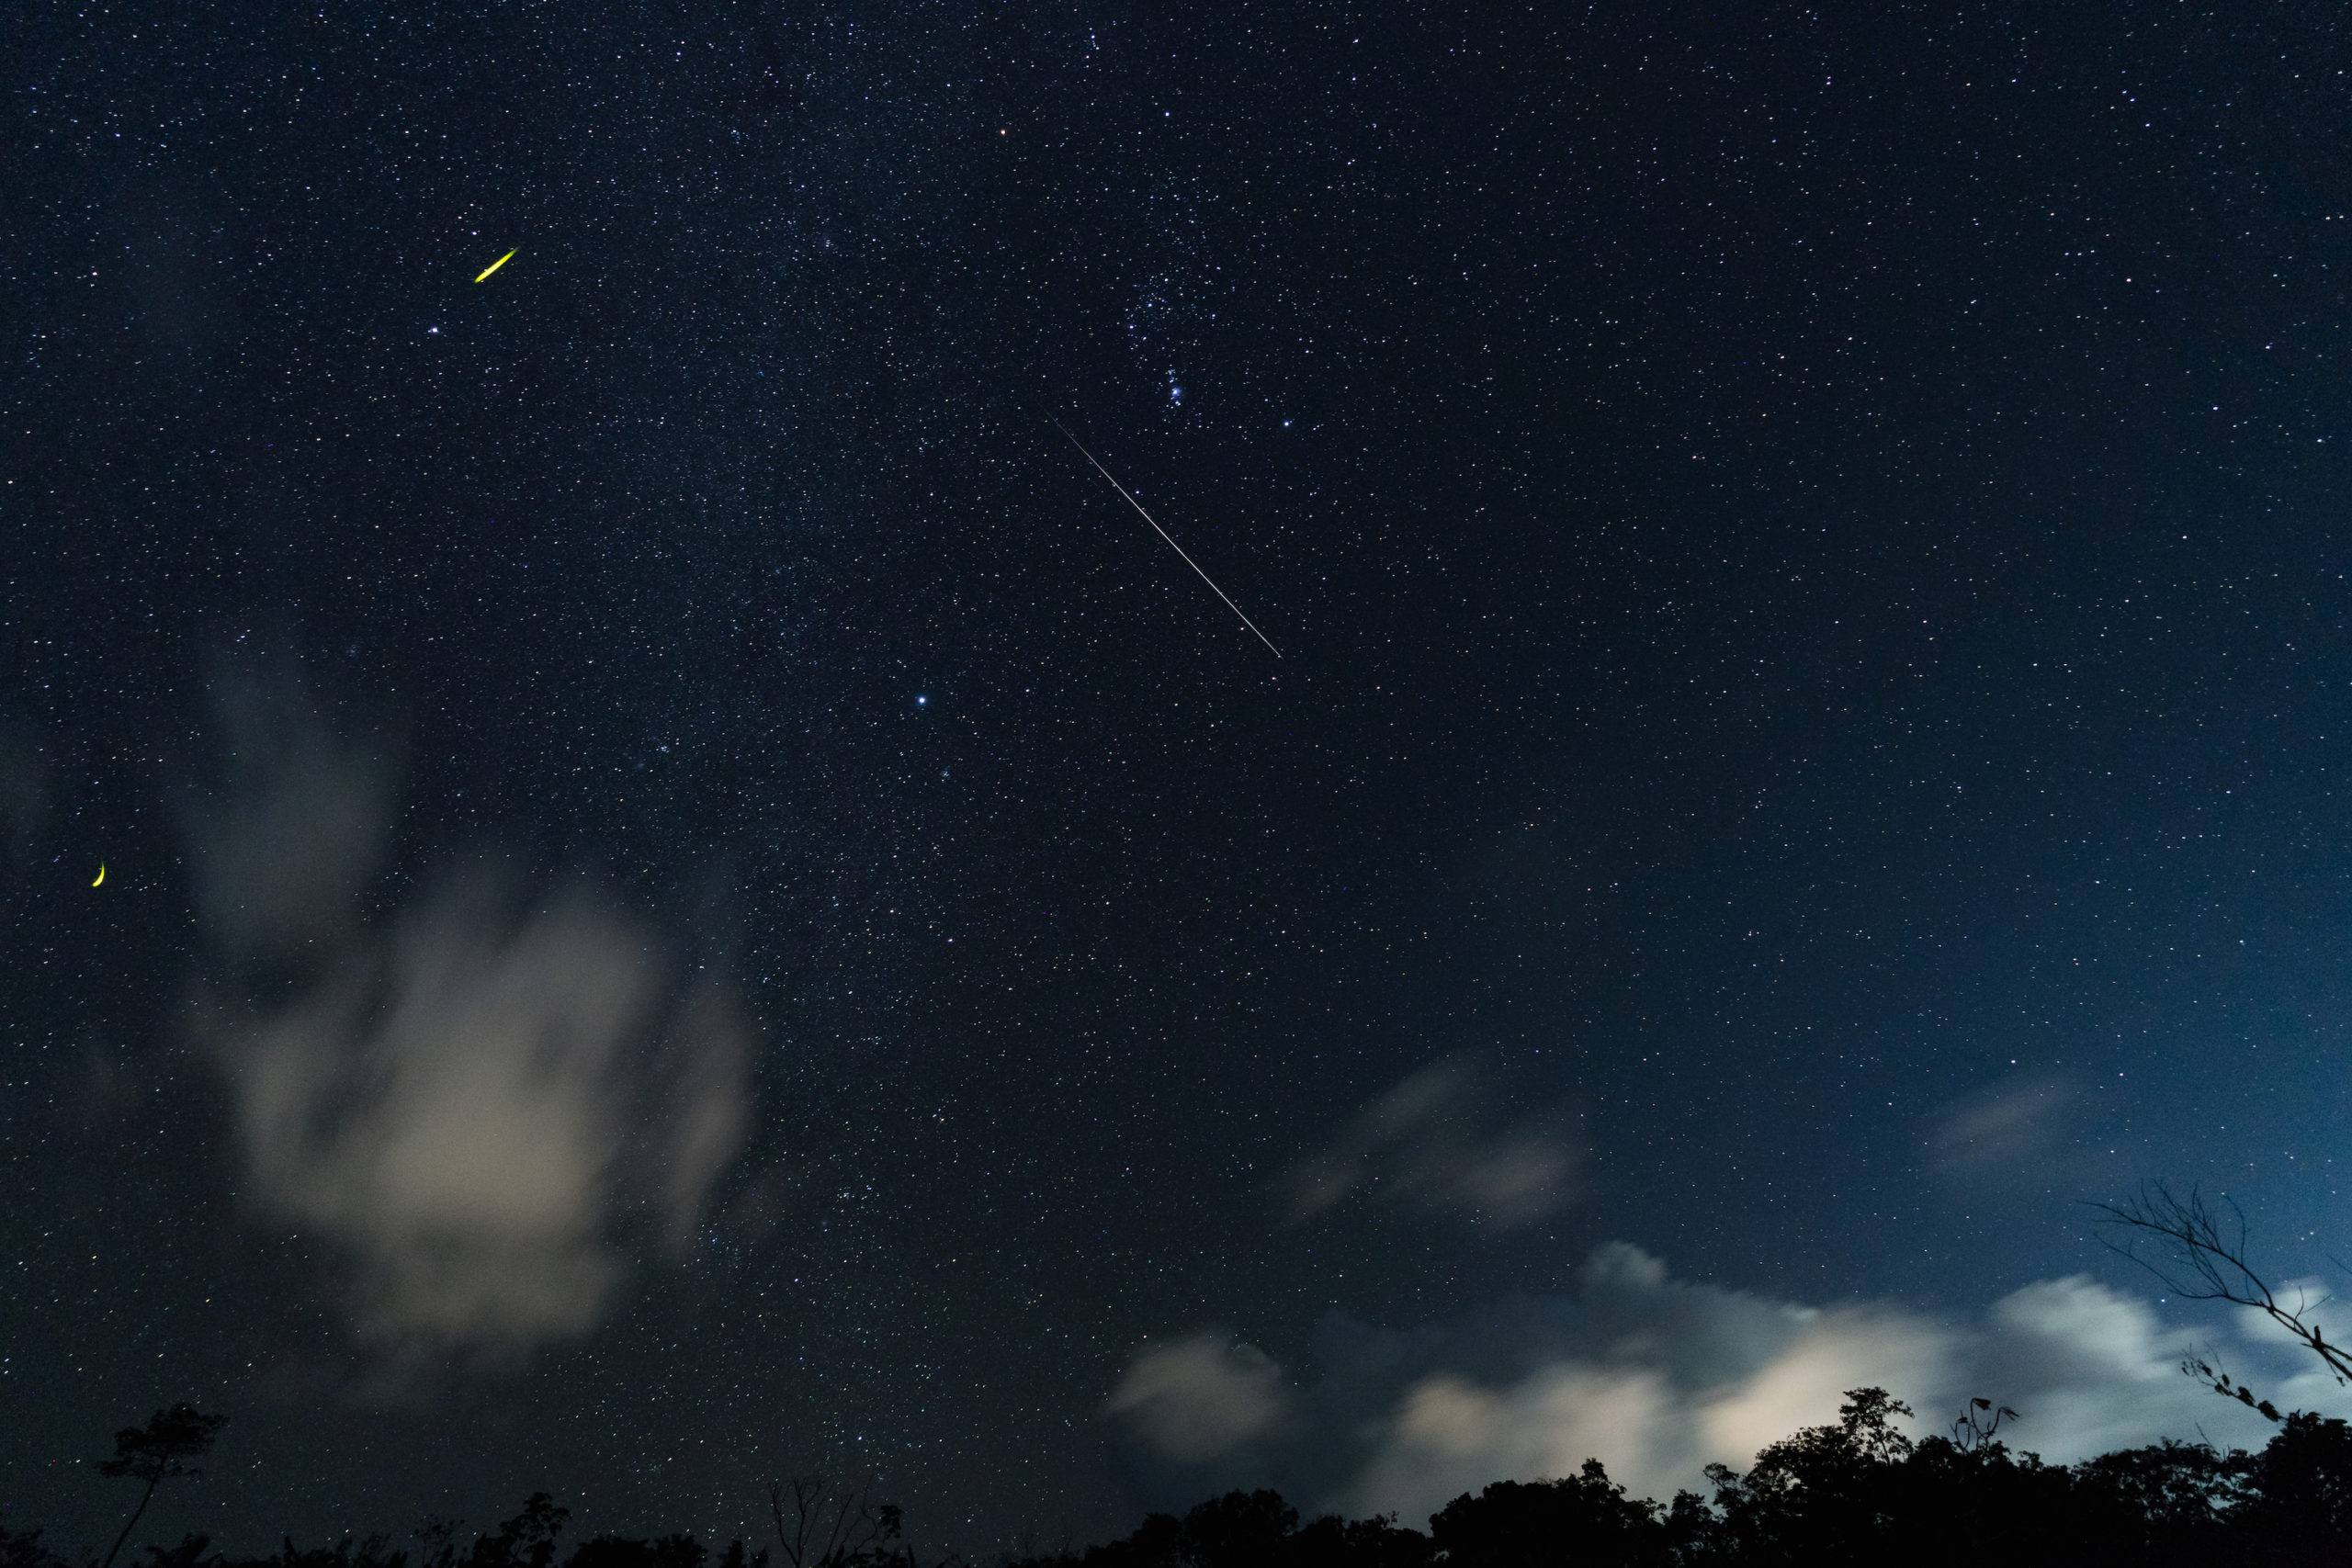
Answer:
(1657, 1377)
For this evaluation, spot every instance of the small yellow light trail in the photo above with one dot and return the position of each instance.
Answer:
(496, 264)
(102, 874)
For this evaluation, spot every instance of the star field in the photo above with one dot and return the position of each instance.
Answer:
(1805, 548)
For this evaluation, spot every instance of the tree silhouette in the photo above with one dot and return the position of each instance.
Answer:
(1819, 1487)
(188, 1553)
(1240, 1530)
(157, 1452)
(2300, 1510)
(1858, 1494)
(833, 1525)
(527, 1541)
(437, 1537)
(1249, 1529)
(1585, 1518)
(27, 1551)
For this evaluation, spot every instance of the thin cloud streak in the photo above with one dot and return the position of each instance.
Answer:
(1432, 1143)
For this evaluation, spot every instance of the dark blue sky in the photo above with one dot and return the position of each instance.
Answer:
(1805, 550)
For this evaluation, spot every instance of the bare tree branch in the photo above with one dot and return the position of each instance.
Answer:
(831, 1526)
(2201, 1256)
(1972, 1433)
(2220, 1381)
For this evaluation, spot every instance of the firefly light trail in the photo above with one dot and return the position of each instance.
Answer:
(495, 265)
(1171, 543)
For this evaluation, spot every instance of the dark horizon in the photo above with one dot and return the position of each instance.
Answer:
(1854, 1488)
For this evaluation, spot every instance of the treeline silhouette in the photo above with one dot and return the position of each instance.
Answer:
(1855, 1493)
(527, 1541)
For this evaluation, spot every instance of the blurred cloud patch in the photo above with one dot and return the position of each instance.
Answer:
(476, 1096)
(1200, 1397)
(2008, 1136)
(1434, 1142)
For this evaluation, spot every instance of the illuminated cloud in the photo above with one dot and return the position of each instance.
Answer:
(1657, 1377)
(1202, 1397)
(467, 1099)
(453, 1113)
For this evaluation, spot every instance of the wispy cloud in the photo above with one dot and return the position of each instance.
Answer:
(1657, 1377)
(701, 1111)
(467, 1097)
(1434, 1142)
(297, 823)
(24, 791)
(2006, 1136)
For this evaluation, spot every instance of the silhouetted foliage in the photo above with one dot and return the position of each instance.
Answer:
(27, 1551)
(1158, 1543)
(1240, 1530)
(1857, 1492)
(1257, 1529)
(436, 1538)
(2297, 1498)
(158, 1452)
(527, 1541)
(1334, 1542)
(2228, 1387)
(1517, 1524)
(1976, 1426)
(189, 1553)
(374, 1551)
(1826, 1489)
(613, 1551)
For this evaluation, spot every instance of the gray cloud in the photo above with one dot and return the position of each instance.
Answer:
(299, 824)
(24, 791)
(1202, 1397)
(2006, 1136)
(703, 1112)
(467, 1097)
(452, 1108)
(1433, 1144)
(1657, 1377)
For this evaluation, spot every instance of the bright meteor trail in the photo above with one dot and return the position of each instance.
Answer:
(1171, 543)
(496, 264)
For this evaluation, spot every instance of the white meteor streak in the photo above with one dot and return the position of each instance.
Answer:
(1171, 543)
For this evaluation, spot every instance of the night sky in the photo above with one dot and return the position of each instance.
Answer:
(690, 897)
